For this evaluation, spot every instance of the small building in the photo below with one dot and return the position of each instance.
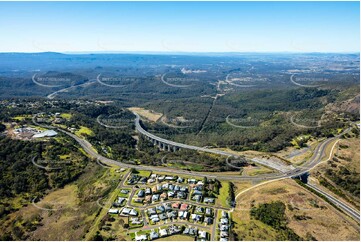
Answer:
(142, 237)
(165, 186)
(209, 200)
(175, 205)
(172, 214)
(141, 193)
(208, 220)
(120, 200)
(224, 220)
(208, 211)
(197, 198)
(202, 234)
(126, 211)
(162, 216)
(164, 196)
(183, 189)
(196, 217)
(155, 197)
(184, 206)
(113, 211)
(197, 192)
(160, 208)
(154, 189)
(153, 235)
(139, 200)
(124, 191)
(148, 191)
(224, 234)
(167, 207)
(199, 210)
(133, 212)
(159, 188)
(155, 219)
(163, 232)
(152, 211)
(181, 195)
(148, 199)
(183, 214)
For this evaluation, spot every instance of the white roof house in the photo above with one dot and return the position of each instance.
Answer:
(202, 234)
(224, 220)
(163, 232)
(142, 237)
(133, 212)
(113, 211)
(126, 210)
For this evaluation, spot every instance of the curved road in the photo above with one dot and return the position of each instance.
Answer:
(140, 129)
(315, 159)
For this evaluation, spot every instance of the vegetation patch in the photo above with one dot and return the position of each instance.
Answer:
(273, 214)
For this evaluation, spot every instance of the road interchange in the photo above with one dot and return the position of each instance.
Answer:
(316, 158)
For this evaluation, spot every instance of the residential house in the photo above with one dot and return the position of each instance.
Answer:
(113, 211)
(141, 193)
(209, 200)
(142, 237)
(155, 197)
(153, 235)
(163, 232)
(202, 234)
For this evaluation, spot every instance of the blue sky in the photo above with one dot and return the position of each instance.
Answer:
(180, 26)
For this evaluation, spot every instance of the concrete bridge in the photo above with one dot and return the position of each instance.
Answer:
(165, 144)
(169, 145)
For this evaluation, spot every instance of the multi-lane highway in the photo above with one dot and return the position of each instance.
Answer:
(350, 211)
(314, 160)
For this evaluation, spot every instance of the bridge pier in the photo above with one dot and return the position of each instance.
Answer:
(161, 145)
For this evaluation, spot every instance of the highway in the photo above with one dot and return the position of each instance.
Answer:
(142, 131)
(350, 211)
(314, 161)
(52, 95)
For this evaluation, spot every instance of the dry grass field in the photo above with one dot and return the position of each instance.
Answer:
(148, 114)
(66, 213)
(346, 154)
(307, 215)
